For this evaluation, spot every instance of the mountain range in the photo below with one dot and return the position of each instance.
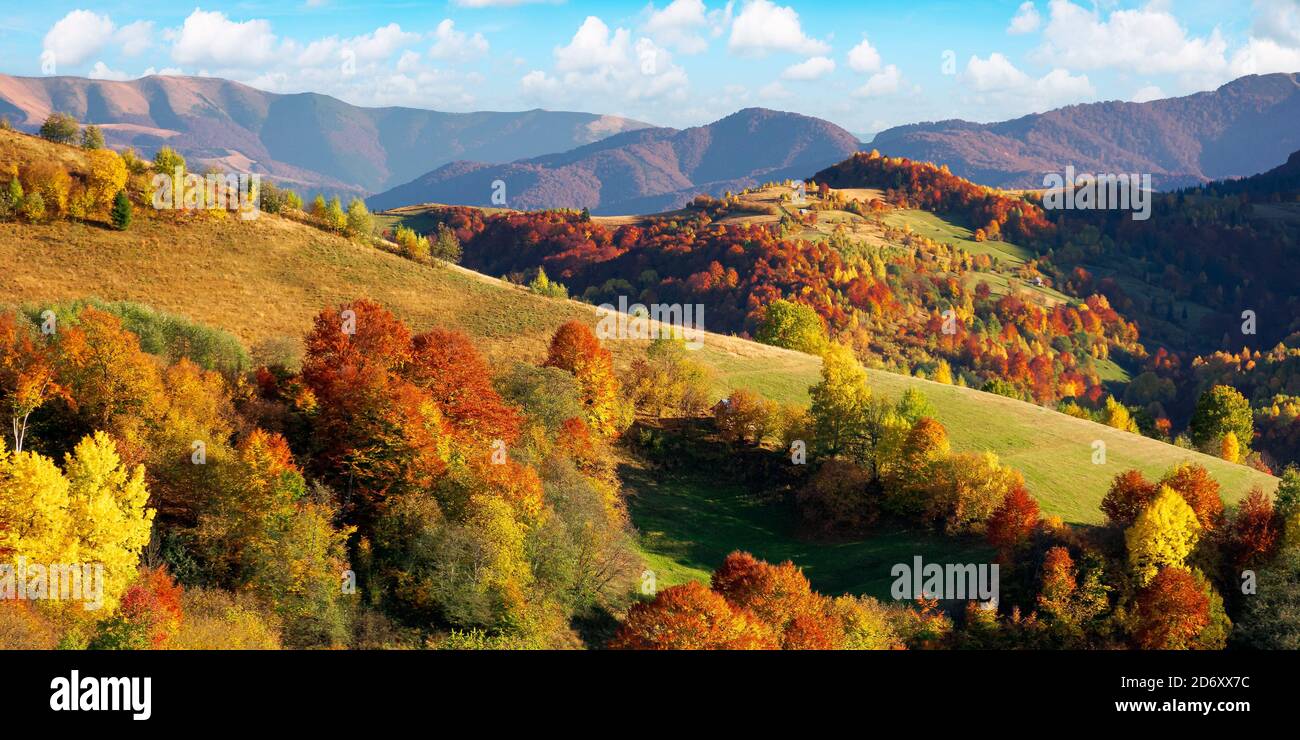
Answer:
(311, 141)
(609, 164)
(1244, 127)
(643, 171)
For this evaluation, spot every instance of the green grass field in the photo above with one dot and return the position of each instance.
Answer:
(689, 523)
(939, 229)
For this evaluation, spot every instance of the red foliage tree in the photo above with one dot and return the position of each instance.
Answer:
(1199, 490)
(1255, 532)
(1013, 521)
(1171, 611)
(691, 617)
(447, 365)
(1129, 494)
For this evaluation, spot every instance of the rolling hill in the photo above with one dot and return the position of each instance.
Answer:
(1244, 127)
(264, 280)
(309, 140)
(642, 171)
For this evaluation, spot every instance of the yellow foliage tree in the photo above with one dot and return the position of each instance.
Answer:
(840, 401)
(1163, 535)
(1230, 448)
(91, 513)
(1117, 416)
(943, 373)
(107, 176)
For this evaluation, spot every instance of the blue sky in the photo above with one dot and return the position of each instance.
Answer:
(865, 65)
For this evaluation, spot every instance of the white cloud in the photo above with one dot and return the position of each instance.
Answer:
(593, 47)
(135, 38)
(165, 72)
(885, 82)
(602, 63)
(1264, 56)
(456, 45)
(764, 27)
(212, 38)
(101, 71)
(996, 73)
(77, 36)
(681, 25)
(1147, 94)
(997, 81)
(1026, 19)
(864, 58)
(813, 69)
(1147, 40)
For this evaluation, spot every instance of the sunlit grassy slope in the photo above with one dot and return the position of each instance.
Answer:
(266, 279)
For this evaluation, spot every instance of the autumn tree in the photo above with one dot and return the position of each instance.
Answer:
(102, 367)
(1130, 492)
(375, 432)
(909, 482)
(1220, 410)
(359, 221)
(780, 597)
(1253, 534)
(1171, 611)
(1013, 521)
(27, 375)
(667, 381)
(968, 488)
(447, 365)
(1199, 489)
(92, 138)
(107, 178)
(792, 325)
(840, 403)
(575, 349)
(92, 511)
(1162, 536)
(745, 417)
(690, 617)
(149, 617)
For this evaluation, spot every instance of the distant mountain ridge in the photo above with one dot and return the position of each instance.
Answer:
(1244, 127)
(312, 140)
(645, 170)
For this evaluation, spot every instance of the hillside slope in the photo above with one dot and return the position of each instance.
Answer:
(264, 281)
(314, 141)
(642, 171)
(1244, 127)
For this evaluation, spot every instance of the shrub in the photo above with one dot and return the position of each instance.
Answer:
(51, 182)
(60, 128)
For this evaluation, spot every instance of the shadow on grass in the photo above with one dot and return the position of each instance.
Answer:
(693, 520)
